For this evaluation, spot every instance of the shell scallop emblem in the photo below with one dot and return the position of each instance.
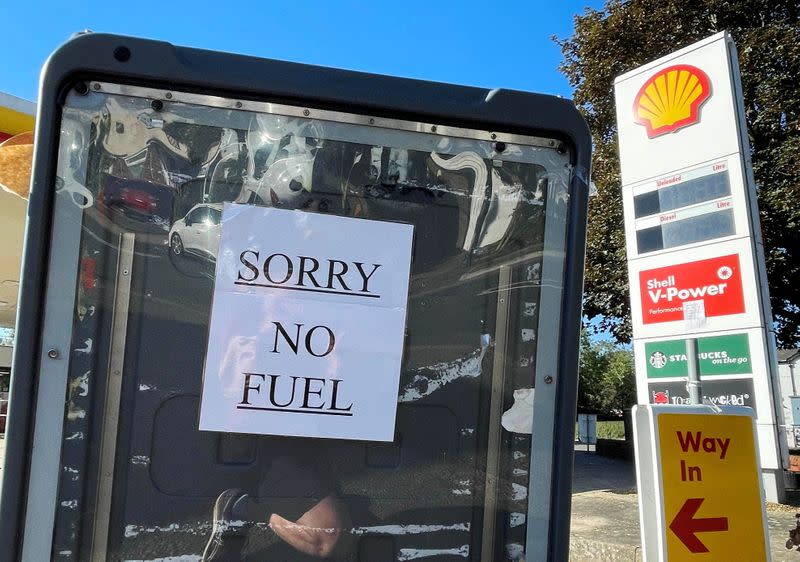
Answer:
(671, 99)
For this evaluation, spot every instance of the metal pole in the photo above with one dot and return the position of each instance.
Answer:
(116, 362)
(693, 368)
(588, 436)
(495, 443)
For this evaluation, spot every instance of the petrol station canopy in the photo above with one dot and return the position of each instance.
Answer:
(16, 117)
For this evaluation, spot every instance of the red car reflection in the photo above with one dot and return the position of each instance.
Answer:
(146, 203)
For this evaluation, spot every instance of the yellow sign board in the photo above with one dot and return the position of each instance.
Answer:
(711, 487)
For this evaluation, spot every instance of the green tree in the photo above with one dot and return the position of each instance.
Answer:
(618, 385)
(606, 383)
(626, 34)
(590, 373)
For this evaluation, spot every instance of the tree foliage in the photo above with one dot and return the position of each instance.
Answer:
(606, 383)
(626, 34)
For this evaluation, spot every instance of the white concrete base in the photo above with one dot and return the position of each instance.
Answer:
(774, 485)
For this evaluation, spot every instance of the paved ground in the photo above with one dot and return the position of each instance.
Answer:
(605, 514)
(593, 472)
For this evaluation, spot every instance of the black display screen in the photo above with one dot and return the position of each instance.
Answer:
(690, 192)
(688, 231)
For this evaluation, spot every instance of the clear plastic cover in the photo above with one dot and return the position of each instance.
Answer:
(142, 185)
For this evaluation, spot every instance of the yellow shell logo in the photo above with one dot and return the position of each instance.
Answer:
(671, 99)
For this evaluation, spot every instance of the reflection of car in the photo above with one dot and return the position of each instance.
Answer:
(198, 232)
(146, 203)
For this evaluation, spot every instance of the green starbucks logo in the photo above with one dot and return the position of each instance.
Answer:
(658, 359)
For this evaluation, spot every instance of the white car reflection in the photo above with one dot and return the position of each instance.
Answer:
(198, 232)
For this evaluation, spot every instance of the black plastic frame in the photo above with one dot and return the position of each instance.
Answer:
(162, 65)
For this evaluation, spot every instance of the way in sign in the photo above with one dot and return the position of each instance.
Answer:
(705, 457)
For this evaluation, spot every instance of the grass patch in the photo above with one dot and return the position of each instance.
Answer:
(608, 430)
(611, 429)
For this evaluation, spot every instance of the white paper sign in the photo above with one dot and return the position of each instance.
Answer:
(307, 325)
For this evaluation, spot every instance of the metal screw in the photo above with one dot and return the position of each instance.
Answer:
(306, 112)
(122, 54)
(552, 143)
(548, 379)
(494, 136)
(238, 104)
(53, 354)
(433, 129)
(124, 271)
(96, 86)
(168, 95)
(371, 121)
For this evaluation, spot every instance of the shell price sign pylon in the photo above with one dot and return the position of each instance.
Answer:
(695, 257)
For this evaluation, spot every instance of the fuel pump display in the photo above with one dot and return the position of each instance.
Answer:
(406, 268)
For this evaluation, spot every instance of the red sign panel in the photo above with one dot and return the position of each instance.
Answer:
(715, 282)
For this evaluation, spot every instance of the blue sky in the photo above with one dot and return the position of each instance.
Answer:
(504, 44)
(469, 42)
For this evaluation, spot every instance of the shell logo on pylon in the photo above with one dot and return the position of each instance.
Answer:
(671, 99)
